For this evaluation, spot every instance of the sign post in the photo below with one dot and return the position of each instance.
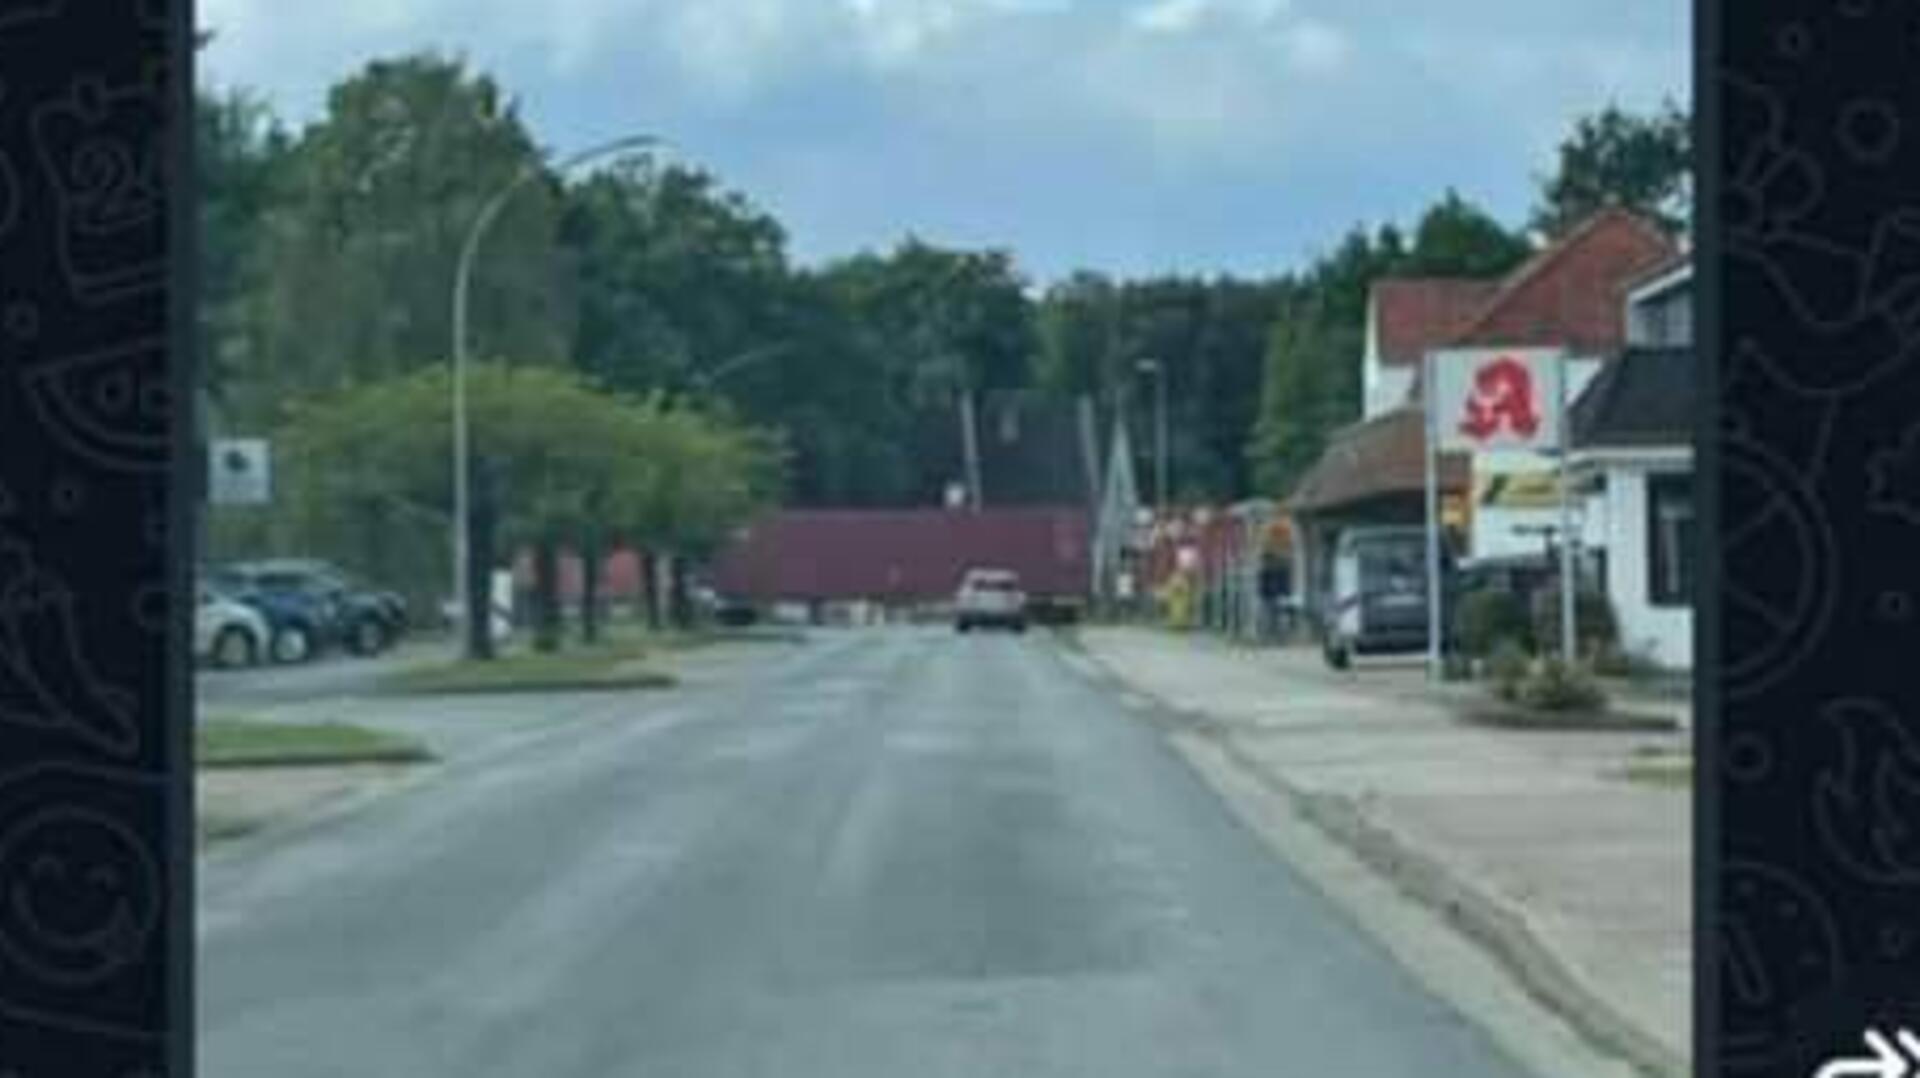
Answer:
(1435, 657)
(1498, 399)
(1567, 631)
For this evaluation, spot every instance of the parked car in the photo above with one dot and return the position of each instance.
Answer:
(299, 626)
(990, 597)
(228, 633)
(371, 620)
(1378, 604)
(1521, 576)
(734, 612)
(320, 606)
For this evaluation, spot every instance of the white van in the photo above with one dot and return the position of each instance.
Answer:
(1377, 604)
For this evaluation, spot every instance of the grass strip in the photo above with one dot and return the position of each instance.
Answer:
(1515, 717)
(596, 669)
(231, 743)
(1669, 773)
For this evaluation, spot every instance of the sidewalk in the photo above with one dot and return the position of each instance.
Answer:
(1534, 843)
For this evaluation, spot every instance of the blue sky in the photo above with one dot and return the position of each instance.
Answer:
(1131, 136)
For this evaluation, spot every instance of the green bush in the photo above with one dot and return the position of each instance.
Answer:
(1613, 660)
(1595, 627)
(1486, 617)
(1560, 686)
(1508, 666)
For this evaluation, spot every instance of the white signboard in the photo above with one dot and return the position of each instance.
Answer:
(1494, 399)
(1497, 398)
(240, 472)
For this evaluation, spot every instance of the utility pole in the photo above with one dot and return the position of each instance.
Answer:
(1159, 372)
(970, 445)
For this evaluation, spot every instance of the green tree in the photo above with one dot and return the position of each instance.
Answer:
(1078, 324)
(1311, 382)
(685, 286)
(1209, 336)
(240, 149)
(676, 276)
(1310, 388)
(573, 463)
(1617, 158)
(360, 246)
(1456, 238)
(948, 320)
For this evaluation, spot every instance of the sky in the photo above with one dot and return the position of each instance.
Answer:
(1126, 136)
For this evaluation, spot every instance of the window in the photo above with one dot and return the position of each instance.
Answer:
(1670, 540)
(1656, 322)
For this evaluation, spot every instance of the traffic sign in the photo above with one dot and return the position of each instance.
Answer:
(240, 472)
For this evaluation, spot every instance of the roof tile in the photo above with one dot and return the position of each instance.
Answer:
(1417, 314)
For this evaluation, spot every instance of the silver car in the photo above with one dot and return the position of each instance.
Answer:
(226, 632)
(990, 597)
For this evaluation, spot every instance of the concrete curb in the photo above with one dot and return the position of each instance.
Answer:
(1495, 925)
(1498, 928)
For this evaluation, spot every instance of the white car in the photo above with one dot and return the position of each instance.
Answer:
(226, 632)
(990, 597)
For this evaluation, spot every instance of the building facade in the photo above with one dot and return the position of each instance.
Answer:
(1568, 296)
(1633, 455)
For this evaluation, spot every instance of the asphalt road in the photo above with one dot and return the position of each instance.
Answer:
(329, 677)
(890, 852)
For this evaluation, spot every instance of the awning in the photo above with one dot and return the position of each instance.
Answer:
(1375, 458)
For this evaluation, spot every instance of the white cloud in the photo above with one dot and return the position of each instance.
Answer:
(1169, 16)
(1129, 98)
(1183, 16)
(1316, 46)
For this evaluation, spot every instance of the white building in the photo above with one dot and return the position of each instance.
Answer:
(1633, 456)
(1567, 296)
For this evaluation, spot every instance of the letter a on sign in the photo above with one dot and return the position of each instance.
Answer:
(1506, 398)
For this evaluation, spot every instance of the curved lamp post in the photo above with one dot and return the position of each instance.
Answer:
(706, 380)
(462, 282)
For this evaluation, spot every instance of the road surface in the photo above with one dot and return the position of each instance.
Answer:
(329, 677)
(890, 852)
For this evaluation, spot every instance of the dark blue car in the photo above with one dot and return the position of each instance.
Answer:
(323, 607)
(299, 624)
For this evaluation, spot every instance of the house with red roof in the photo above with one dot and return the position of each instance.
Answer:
(1570, 295)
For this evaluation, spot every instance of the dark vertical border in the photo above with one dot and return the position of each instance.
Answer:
(186, 487)
(1709, 334)
(1813, 667)
(96, 933)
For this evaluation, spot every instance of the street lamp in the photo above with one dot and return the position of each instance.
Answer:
(706, 380)
(1159, 372)
(461, 286)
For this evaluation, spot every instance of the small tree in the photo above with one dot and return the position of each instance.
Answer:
(569, 460)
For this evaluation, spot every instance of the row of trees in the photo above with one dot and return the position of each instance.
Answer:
(330, 254)
(559, 462)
